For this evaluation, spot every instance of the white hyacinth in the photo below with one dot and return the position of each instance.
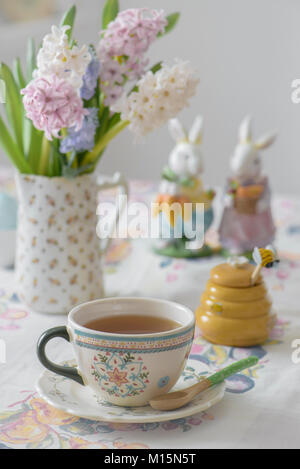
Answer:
(56, 57)
(160, 96)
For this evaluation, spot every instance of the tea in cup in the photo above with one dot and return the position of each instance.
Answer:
(128, 350)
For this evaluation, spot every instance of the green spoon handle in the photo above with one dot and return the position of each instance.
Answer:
(232, 370)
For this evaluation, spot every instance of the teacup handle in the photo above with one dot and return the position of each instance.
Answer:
(67, 371)
(108, 182)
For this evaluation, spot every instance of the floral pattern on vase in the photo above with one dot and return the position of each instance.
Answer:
(58, 252)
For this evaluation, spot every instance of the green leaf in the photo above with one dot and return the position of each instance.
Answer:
(102, 128)
(14, 105)
(32, 140)
(56, 158)
(12, 150)
(51, 171)
(62, 156)
(31, 58)
(172, 21)
(18, 74)
(89, 168)
(71, 173)
(72, 158)
(68, 20)
(156, 67)
(110, 11)
(115, 119)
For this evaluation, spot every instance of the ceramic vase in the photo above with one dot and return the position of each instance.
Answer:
(58, 258)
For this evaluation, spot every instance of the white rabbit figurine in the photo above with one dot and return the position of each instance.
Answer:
(247, 219)
(181, 183)
(185, 161)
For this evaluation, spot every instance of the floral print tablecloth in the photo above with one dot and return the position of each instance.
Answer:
(261, 408)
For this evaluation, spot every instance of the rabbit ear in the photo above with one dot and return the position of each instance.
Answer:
(265, 141)
(245, 130)
(176, 130)
(195, 134)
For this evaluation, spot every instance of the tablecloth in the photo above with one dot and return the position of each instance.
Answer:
(261, 407)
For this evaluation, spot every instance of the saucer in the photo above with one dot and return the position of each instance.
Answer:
(75, 399)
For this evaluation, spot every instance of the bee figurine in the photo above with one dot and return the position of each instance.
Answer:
(263, 257)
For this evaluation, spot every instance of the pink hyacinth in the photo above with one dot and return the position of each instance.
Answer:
(123, 45)
(52, 104)
(132, 32)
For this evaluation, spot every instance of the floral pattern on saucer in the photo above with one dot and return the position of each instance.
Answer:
(80, 401)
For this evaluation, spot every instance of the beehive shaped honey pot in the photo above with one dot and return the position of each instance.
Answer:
(235, 307)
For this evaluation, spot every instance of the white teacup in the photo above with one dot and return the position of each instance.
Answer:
(126, 370)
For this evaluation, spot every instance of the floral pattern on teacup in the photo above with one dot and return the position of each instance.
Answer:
(148, 345)
(120, 374)
(162, 382)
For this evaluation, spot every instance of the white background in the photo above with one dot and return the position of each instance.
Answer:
(247, 53)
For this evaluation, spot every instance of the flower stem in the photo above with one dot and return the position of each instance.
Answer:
(64, 133)
(44, 157)
(103, 141)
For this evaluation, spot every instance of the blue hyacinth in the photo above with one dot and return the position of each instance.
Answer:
(83, 139)
(90, 78)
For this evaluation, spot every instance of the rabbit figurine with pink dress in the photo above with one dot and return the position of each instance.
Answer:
(181, 186)
(247, 218)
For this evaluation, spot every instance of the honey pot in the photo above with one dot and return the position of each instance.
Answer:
(235, 308)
